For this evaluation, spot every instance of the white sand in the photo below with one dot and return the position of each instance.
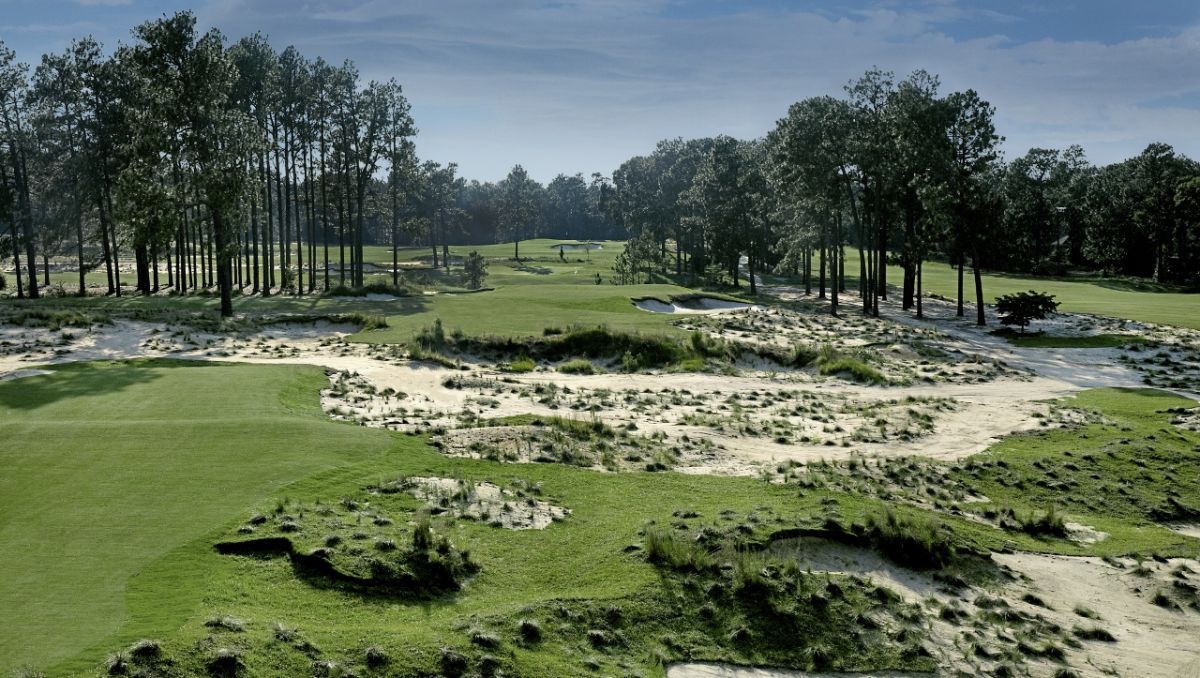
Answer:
(698, 305)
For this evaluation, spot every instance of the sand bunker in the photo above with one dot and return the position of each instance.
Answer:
(569, 247)
(693, 305)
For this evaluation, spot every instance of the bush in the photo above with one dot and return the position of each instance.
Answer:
(376, 657)
(530, 630)
(224, 662)
(117, 664)
(1093, 633)
(474, 270)
(1049, 524)
(577, 366)
(1022, 307)
(145, 649)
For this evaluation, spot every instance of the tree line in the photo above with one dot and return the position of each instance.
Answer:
(235, 167)
(903, 174)
(239, 168)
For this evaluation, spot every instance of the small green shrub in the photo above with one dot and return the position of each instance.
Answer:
(521, 365)
(577, 366)
(856, 369)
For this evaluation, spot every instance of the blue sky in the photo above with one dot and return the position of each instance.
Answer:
(581, 85)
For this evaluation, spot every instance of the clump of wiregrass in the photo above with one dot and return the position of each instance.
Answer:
(665, 547)
(225, 623)
(831, 362)
(914, 541)
(577, 366)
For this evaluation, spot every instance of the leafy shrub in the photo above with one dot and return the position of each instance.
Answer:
(474, 270)
(1021, 308)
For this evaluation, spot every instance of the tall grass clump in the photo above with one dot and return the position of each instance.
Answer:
(577, 366)
(918, 543)
(665, 548)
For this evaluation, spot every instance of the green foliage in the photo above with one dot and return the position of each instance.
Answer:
(853, 368)
(474, 270)
(521, 365)
(1021, 308)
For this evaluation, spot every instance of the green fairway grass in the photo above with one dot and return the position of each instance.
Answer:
(1139, 300)
(111, 466)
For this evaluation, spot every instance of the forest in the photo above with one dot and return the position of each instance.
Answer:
(237, 167)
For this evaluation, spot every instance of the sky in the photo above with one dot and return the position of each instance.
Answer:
(566, 86)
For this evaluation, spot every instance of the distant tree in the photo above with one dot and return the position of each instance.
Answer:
(475, 270)
(518, 207)
(1022, 307)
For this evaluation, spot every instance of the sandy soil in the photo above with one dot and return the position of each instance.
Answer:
(1150, 640)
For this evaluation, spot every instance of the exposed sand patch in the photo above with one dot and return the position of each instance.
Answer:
(483, 501)
(695, 305)
(1150, 640)
(706, 670)
(1084, 534)
(569, 247)
(1187, 530)
(824, 555)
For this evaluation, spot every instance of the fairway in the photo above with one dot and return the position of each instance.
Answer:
(1115, 298)
(109, 473)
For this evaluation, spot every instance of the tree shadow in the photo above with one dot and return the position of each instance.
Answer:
(72, 380)
(315, 570)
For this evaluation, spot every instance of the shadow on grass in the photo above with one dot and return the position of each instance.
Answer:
(72, 380)
(316, 571)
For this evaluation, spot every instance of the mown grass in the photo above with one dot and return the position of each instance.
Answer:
(115, 465)
(1131, 299)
